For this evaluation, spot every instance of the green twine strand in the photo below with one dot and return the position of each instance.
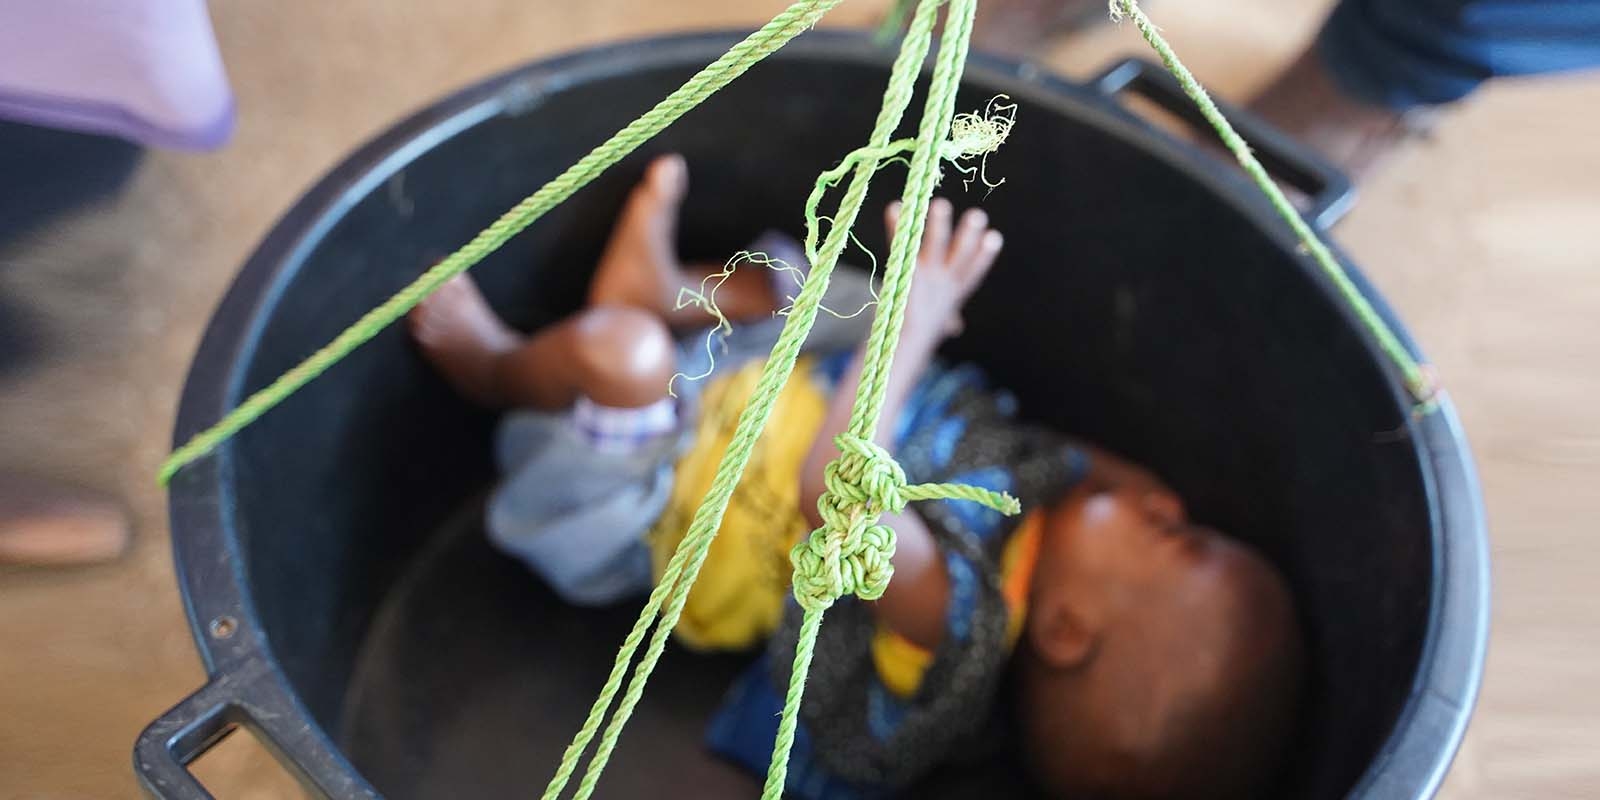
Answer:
(872, 477)
(922, 177)
(852, 552)
(1418, 379)
(793, 21)
(665, 604)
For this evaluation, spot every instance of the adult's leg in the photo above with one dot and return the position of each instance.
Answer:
(1402, 54)
(1380, 67)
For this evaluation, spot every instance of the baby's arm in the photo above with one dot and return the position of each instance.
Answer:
(914, 603)
(949, 268)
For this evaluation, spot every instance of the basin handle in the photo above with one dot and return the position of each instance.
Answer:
(254, 695)
(1328, 190)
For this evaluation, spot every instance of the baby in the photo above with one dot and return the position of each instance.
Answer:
(1147, 656)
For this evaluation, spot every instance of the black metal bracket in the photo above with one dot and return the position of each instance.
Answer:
(232, 698)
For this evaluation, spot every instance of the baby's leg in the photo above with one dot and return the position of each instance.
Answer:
(618, 351)
(614, 355)
(640, 267)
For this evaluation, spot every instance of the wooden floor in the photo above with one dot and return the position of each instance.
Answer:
(1485, 238)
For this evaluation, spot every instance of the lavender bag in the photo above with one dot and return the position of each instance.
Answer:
(145, 70)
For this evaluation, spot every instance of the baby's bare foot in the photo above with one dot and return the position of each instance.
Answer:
(951, 263)
(640, 267)
(462, 338)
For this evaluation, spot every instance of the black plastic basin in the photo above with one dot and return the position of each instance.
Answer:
(348, 608)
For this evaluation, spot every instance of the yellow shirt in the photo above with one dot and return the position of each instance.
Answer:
(738, 599)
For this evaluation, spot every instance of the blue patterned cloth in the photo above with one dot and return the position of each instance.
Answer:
(857, 739)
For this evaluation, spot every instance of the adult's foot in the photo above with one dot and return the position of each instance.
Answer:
(1011, 26)
(640, 266)
(50, 524)
(463, 338)
(1306, 103)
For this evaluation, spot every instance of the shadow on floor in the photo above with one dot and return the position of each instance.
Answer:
(45, 173)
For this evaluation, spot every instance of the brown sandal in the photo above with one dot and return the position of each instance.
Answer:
(50, 524)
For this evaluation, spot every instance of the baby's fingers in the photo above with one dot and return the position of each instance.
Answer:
(967, 240)
(936, 236)
(989, 246)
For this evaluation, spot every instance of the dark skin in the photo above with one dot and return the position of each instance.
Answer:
(947, 273)
(618, 350)
(952, 262)
(1137, 617)
(1175, 648)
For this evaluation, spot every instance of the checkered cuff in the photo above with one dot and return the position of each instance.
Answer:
(624, 430)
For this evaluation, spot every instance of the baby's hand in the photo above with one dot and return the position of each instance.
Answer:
(950, 265)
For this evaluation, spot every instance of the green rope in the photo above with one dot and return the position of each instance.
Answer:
(1418, 379)
(894, 21)
(852, 553)
(665, 604)
(778, 768)
(922, 177)
(793, 21)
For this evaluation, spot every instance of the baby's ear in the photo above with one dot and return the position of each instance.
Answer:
(1060, 636)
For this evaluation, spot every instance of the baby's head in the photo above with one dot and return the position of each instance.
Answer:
(1160, 659)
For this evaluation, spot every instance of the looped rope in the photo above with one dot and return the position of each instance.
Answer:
(852, 553)
(864, 473)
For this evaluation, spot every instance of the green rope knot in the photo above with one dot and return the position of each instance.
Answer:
(853, 553)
